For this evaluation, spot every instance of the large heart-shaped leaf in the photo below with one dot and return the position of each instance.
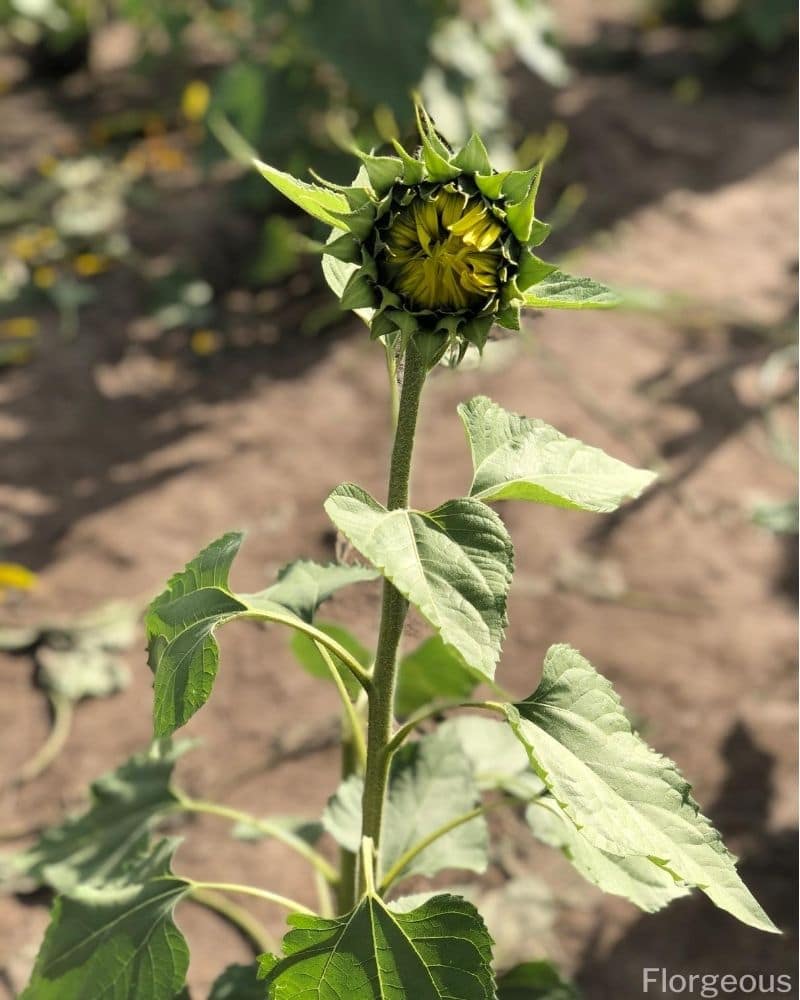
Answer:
(116, 941)
(183, 652)
(516, 458)
(648, 886)
(438, 951)
(431, 783)
(453, 563)
(102, 843)
(623, 798)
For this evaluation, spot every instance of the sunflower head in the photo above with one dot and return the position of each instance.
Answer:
(436, 245)
(443, 252)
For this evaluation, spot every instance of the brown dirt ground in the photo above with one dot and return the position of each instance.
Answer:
(118, 467)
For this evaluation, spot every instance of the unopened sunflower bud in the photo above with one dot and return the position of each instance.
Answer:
(437, 246)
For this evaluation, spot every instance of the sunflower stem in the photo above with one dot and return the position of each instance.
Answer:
(393, 614)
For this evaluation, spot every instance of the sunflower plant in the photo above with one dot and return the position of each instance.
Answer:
(431, 248)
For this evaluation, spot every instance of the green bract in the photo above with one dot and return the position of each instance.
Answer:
(438, 246)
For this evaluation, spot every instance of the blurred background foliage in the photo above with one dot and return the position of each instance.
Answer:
(295, 80)
(734, 27)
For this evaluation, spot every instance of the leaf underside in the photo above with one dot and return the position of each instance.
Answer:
(516, 458)
(431, 783)
(623, 797)
(648, 886)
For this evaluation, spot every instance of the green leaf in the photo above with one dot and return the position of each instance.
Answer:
(238, 982)
(624, 798)
(430, 784)
(80, 657)
(454, 563)
(181, 622)
(103, 842)
(499, 762)
(430, 672)
(380, 48)
(535, 981)
(116, 941)
(84, 670)
(648, 886)
(563, 291)
(516, 458)
(180, 632)
(438, 951)
(308, 656)
(302, 586)
(320, 203)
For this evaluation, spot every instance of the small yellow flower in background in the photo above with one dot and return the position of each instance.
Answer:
(87, 265)
(205, 342)
(32, 243)
(20, 327)
(16, 577)
(44, 276)
(47, 165)
(195, 100)
(687, 90)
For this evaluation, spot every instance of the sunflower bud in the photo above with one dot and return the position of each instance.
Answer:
(438, 245)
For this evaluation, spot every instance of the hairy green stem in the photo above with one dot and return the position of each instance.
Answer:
(240, 918)
(393, 612)
(265, 826)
